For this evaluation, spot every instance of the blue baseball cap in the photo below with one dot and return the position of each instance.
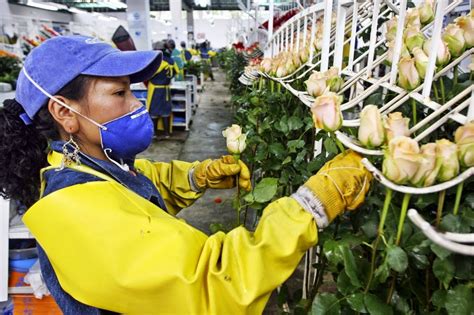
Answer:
(56, 62)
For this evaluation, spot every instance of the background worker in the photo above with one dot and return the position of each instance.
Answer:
(159, 92)
(206, 54)
(185, 53)
(176, 55)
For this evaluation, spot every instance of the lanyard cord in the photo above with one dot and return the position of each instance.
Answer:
(60, 102)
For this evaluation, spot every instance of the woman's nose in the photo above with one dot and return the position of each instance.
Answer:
(136, 104)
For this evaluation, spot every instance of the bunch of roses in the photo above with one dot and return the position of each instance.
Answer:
(456, 38)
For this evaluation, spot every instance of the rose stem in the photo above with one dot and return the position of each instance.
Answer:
(457, 201)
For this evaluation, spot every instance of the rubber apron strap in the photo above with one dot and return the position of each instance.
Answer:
(55, 159)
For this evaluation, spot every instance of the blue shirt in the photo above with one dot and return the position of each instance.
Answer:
(56, 180)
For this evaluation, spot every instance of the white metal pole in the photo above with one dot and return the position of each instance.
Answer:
(292, 36)
(270, 23)
(340, 28)
(355, 16)
(435, 42)
(298, 36)
(326, 35)
(470, 110)
(287, 38)
(305, 30)
(398, 41)
(311, 42)
(373, 37)
(4, 236)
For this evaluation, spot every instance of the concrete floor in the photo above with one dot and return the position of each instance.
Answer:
(204, 140)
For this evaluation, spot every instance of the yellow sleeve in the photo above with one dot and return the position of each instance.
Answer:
(172, 181)
(175, 69)
(108, 254)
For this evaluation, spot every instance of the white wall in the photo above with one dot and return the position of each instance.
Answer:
(8, 9)
(219, 34)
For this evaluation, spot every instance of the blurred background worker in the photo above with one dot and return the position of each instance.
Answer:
(206, 54)
(176, 55)
(185, 53)
(159, 95)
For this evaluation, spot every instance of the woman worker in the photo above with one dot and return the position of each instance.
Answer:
(159, 96)
(105, 224)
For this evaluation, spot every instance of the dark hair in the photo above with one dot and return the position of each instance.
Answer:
(23, 148)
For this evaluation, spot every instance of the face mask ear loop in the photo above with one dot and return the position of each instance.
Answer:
(123, 167)
(60, 102)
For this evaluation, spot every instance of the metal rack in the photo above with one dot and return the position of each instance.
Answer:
(7, 233)
(362, 79)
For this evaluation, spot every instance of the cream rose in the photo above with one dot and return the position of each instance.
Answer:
(401, 160)
(391, 47)
(371, 131)
(421, 61)
(453, 36)
(334, 80)
(464, 138)
(412, 18)
(396, 125)
(413, 38)
(236, 141)
(446, 152)
(266, 65)
(391, 26)
(443, 55)
(408, 77)
(326, 111)
(466, 23)
(316, 84)
(426, 12)
(428, 168)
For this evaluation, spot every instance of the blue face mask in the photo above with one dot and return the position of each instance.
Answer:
(121, 138)
(126, 136)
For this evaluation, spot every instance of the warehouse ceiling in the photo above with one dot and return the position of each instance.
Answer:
(155, 5)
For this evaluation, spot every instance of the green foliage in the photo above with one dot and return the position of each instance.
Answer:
(193, 68)
(9, 69)
(233, 64)
(370, 272)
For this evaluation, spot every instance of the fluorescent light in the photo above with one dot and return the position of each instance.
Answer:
(76, 10)
(41, 5)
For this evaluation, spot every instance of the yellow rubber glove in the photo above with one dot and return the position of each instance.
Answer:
(221, 174)
(341, 184)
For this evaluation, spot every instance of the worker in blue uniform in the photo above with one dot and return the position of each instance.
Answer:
(185, 53)
(206, 54)
(108, 239)
(159, 92)
(176, 55)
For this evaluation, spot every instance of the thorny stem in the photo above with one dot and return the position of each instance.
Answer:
(455, 75)
(413, 109)
(457, 201)
(439, 211)
(383, 217)
(403, 213)
(443, 94)
(237, 158)
(436, 93)
(338, 143)
(392, 287)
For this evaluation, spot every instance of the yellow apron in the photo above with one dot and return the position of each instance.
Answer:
(112, 249)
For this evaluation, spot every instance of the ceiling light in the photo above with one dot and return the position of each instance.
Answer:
(43, 6)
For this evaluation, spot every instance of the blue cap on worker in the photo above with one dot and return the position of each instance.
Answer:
(57, 61)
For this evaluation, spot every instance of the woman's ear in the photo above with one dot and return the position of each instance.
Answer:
(63, 115)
